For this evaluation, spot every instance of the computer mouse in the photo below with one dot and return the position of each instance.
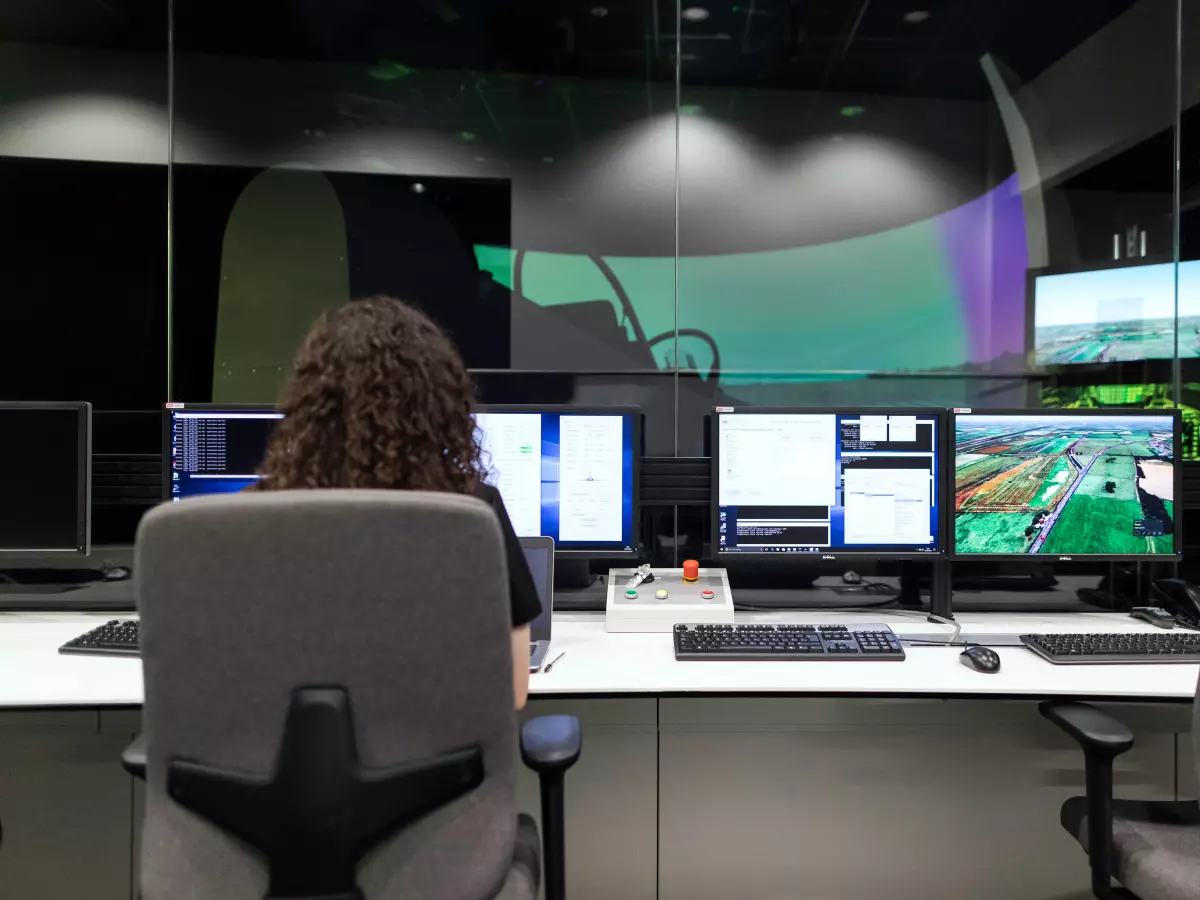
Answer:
(981, 659)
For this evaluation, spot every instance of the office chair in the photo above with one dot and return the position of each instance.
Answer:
(328, 706)
(1151, 847)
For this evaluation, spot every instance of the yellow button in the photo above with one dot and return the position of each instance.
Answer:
(661, 595)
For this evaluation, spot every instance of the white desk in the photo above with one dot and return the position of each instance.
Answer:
(34, 675)
(804, 762)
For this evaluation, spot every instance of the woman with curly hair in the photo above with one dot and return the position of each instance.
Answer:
(378, 398)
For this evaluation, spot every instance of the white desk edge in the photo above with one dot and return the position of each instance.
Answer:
(33, 675)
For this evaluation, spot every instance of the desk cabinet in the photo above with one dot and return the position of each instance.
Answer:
(844, 799)
(66, 807)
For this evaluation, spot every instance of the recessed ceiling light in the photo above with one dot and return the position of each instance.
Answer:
(418, 188)
(916, 16)
(695, 14)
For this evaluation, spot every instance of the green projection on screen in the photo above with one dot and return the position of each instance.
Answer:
(879, 303)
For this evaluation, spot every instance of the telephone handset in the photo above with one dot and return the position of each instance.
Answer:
(1181, 598)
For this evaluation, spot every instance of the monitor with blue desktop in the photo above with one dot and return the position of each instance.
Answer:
(564, 473)
(213, 448)
(827, 482)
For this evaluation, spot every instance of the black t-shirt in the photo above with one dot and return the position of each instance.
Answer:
(525, 604)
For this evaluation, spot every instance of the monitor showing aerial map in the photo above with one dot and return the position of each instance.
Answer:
(1086, 483)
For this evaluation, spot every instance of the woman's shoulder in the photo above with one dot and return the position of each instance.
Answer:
(487, 493)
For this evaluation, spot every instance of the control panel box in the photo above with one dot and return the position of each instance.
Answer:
(660, 604)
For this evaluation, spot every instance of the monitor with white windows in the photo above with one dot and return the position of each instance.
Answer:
(827, 482)
(567, 473)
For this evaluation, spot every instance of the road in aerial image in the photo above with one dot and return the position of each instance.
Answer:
(1064, 485)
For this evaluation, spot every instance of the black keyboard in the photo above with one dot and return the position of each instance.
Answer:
(119, 637)
(827, 642)
(1154, 647)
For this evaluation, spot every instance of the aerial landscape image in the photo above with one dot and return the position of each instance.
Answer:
(1124, 313)
(1115, 341)
(1064, 485)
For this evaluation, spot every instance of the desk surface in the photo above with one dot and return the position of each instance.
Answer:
(34, 675)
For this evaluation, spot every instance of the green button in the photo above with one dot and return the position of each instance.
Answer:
(631, 594)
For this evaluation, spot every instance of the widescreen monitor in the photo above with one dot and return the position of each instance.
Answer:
(45, 477)
(1115, 314)
(565, 473)
(827, 482)
(1066, 483)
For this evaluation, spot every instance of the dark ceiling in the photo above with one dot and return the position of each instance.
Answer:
(926, 48)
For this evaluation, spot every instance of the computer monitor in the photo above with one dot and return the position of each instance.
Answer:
(1115, 313)
(211, 448)
(568, 473)
(45, 477)
(1067, 483)
(565, 473)
(829, 483)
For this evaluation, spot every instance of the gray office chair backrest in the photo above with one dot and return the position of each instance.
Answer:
(400, 597)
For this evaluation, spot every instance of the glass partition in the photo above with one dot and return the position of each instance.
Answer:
(507, 169)
(687, 205)
(893, 205)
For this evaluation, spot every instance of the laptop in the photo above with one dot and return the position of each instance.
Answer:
(539, 554)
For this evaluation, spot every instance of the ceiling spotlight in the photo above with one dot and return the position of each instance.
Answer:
(916, 16)
(418, 188)
(695, 14)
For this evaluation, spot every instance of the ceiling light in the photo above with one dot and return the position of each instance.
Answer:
(916, 16)
(695, 14)
(418, 188)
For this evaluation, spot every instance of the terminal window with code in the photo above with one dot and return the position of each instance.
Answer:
(791, 482)
(217, 452)
(563, 475)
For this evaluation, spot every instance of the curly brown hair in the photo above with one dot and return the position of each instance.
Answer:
(378, 398)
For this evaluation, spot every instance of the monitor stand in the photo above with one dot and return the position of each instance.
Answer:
(572, 574)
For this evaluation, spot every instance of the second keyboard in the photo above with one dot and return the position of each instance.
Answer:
(787, 642)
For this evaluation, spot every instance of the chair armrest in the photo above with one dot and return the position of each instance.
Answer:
(133, 757)
(1102, 739)
(551, 743)
(1097, 732)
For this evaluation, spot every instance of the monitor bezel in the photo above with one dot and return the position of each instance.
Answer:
(83, 458)
(635, 412)
(1177, 424)
(169, 408)
(833, 555)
